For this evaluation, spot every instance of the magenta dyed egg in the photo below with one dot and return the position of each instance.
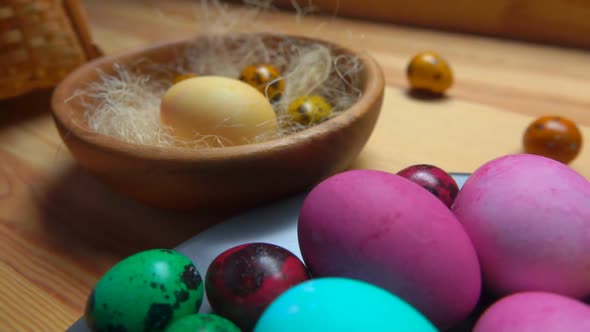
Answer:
(535, 312)
(242, 281)
(386, 230)
(529, 220)
(433, 179)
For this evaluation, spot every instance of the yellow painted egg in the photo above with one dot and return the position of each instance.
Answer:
(309, 110)
(224, 107)
(429, 71)
(264, 78)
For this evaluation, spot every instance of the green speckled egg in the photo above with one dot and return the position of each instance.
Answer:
(202, 323)
(145, 292)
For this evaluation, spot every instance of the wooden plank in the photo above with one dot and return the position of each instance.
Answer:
(548, 21)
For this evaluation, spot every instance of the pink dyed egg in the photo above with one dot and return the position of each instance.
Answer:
(534, 312)
(529, 220)
(386, 230)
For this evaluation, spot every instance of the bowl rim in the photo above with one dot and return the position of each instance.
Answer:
(61, 110)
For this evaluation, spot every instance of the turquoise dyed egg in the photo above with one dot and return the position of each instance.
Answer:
(340, 304)
(203, 323)
(145, 292)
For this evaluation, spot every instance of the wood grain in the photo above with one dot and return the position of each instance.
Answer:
(548, 21)
(60, 229)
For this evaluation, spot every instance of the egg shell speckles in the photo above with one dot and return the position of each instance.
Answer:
(384, 229)
(242, 281)
(535, 312)
(435, 180)
(529, 220)
(145, 292)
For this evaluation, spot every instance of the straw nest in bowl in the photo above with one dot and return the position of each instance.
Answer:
(124, 103)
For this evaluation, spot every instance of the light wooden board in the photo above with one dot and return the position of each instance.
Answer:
(60, 229)
(456, 134)
(549, 21)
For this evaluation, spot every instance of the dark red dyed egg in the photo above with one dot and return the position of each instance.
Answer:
(242, 281)
(433, 179)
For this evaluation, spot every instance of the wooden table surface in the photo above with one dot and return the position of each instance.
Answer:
(60, 229)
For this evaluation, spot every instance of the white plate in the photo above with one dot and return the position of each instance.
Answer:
(276, 224)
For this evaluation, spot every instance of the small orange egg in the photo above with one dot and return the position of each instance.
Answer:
(183, 77)
(309, 110)
(430, 72)
(264, 78)
(554, 137)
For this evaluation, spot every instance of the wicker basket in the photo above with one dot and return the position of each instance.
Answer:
(41, 41)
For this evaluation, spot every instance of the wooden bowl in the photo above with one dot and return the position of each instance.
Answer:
(229, 177)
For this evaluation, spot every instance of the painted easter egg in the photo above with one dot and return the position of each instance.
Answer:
(226, 108)
(265, 78)
(145, 292)
(429, 71)
(386, 230)
(553, 137)
(309, 110)
(202, 323)
(340, 304)
(242, 281)
(534, 312)
(529, 219)
(433, 179)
